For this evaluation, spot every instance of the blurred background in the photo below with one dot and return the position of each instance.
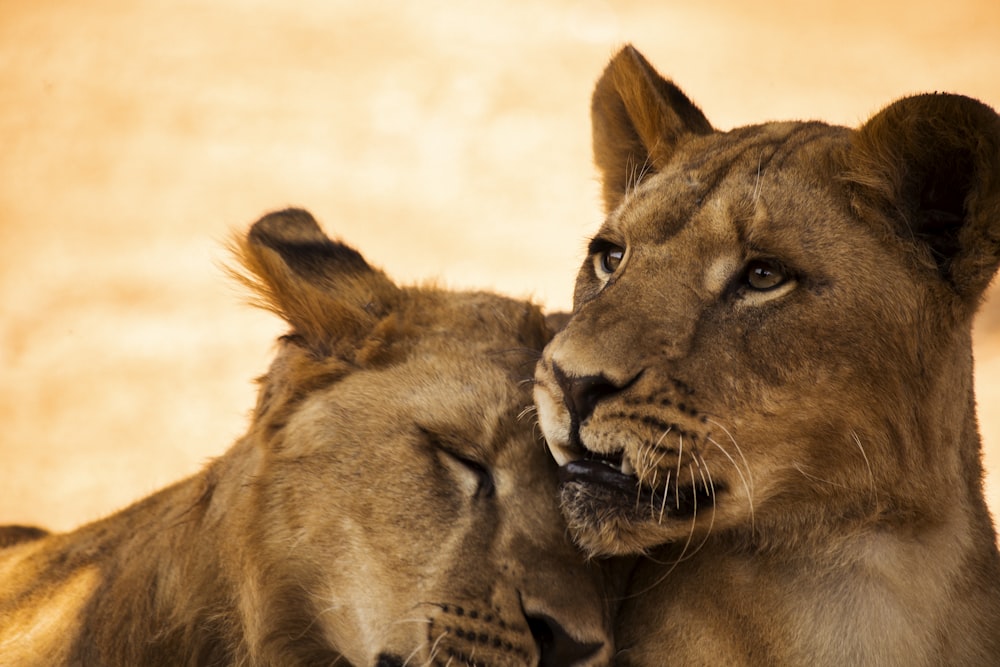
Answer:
(445, 140)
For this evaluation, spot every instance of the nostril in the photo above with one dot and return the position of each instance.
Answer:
(555, 647)
(583, 393)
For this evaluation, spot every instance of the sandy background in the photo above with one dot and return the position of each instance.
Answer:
(445, 140)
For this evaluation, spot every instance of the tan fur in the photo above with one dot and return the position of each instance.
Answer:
(770, 351)
(389, 504)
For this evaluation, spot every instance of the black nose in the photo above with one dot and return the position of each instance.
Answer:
(581, 394)
(555, 647)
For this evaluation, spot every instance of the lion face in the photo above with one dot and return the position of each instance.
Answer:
(765, 320)
(718, 337)
(402, 498)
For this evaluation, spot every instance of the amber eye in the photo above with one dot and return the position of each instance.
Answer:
(609, 258)
(763, 275)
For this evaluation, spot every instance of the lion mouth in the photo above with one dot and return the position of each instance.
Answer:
(606, 482)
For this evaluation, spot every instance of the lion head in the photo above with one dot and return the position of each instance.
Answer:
(770, 335)
(396, 456)
(389, 505)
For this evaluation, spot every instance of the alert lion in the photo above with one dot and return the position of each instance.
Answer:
(388, 505)
(765, 387)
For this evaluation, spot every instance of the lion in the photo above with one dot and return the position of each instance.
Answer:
(764, 395)
(389, 505)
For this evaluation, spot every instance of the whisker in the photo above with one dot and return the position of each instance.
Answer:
(659, 440)
(636, 173)
(711, 523)
(682, 557)
(659, 459)
(640, 468)
(694, 518)
(638, 490)
(663, 503)
(413, 654)
(699, 461)
(680, 455)
(871, 473)
(819, 479)
(656, 448)
(739, 472)
(694, 494)
(739, 451)
(758, 184)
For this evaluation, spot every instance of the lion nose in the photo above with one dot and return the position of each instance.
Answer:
(582, 394)
(555, 647)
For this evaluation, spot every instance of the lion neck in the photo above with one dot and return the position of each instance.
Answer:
(165, 581)
(184, 550)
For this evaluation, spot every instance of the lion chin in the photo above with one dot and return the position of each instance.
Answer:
(764, 390)
(611, 514)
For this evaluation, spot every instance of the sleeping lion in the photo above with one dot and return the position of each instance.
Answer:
(764, 391)
(388, 506)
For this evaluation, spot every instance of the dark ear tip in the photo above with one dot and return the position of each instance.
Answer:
(296, 236)
(292, 226)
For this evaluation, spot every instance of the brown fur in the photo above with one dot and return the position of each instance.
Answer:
(388, 504)
(770, 352)
(11, 535)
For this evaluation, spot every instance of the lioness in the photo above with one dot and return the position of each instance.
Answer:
(765, 386)
(388, 505)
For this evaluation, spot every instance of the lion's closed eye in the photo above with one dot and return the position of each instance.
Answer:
(472, 471)
(473, 477)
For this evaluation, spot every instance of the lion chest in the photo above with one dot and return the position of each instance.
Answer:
(726, 610)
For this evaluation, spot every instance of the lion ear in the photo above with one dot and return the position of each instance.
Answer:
(638, 118)
(933, 163)
(324, 289)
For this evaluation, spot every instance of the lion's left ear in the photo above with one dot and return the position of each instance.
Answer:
(324, 289)
(934, 161)
(638, 118)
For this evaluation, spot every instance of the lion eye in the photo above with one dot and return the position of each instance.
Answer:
(473, 476)
(608, 258)
(763, 275)
(485, 486)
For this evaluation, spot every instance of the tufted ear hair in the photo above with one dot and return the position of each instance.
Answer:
(637, 117)
(324, 289)
(932, 163)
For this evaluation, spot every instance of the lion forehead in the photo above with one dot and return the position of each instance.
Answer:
(468, 402)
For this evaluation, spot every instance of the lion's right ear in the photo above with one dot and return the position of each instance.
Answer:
(324, 289)
(638, 118)
(933, 163)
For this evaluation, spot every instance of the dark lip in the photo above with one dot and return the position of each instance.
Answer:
(614, 485)
(598, 472)
(625, 490)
